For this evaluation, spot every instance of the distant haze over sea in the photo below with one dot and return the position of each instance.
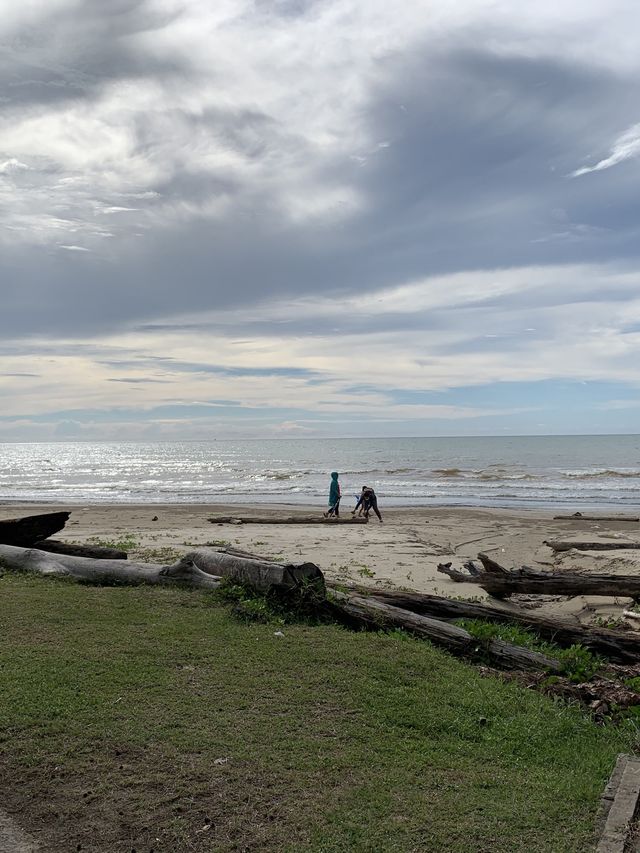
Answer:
(520, 471)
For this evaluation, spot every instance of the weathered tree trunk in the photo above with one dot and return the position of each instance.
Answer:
(264, 575)
(591, 544)
(248, 555)
(23, 532)
(578, 516)
(203, 568)
(103, 571)
(501, 583)
(376, 614)
(284, 519)
(622, 646)
(53, 546)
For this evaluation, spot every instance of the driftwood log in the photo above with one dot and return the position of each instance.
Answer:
(501, 582)
(263, 575)
(591, 544)
(97, 552)
(284, 519)
(24, 532)
(621, 646)
(371, 613)
(578, 516)
(203, 568)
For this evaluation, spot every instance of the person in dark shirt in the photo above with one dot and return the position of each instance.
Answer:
(369, 501)
(359, 507)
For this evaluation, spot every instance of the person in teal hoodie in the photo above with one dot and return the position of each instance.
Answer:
(334, 497)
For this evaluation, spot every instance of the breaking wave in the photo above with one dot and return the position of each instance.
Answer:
(484, 474)
(608, 473)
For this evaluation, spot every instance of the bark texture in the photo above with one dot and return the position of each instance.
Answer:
(283, 519)
(24, 532)
(501, 583)
(591, 544)
(203, 569)
(53, 546)
(620, 646)
(376, 614)
(578, 516)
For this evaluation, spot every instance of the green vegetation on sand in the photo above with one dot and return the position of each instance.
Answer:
(151, 719)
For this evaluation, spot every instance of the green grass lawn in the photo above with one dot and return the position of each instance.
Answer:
(148, 719)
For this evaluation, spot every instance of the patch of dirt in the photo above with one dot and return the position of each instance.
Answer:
(123, 799)
(13, 839)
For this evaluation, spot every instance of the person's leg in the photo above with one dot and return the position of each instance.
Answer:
(333, 509)
(336, 508)
(374, 507)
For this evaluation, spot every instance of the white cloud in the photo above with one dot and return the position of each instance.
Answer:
(361, 374)
(626, 147)
(619, 405)
(12, 165)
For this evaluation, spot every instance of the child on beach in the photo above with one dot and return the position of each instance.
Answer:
(334, 497)
(359, 507)
(368, 501)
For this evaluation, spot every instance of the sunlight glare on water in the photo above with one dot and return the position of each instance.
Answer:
(485, 471)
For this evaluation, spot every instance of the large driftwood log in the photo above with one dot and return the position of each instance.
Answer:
(284, 519)
(578, 516)
(622, 646)
(264, 575)
(501, 583)
(98, 552)
(203, 568)
(375, 614)
(24, 532)
(591, 544)
(103, 571)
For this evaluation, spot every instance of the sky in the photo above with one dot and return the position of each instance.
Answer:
(272, 218)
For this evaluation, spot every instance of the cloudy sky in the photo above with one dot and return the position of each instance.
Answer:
(319, 217)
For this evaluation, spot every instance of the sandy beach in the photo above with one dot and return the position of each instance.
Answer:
(403, 552)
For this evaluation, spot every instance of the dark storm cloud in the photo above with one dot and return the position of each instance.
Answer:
(467, 168)
(137, 380)
(67, 53)
(176, 366)
(479, 147)
(286, 8)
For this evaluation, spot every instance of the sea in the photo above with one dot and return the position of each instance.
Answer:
(572, 472)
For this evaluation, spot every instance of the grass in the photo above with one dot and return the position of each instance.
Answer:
(151, 719)
(127, 542)
(164, 554)
(578, 663)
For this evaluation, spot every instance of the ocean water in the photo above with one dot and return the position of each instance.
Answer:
(524, 471)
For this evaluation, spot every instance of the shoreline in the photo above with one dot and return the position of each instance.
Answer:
(390, 504)
(273, 508)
